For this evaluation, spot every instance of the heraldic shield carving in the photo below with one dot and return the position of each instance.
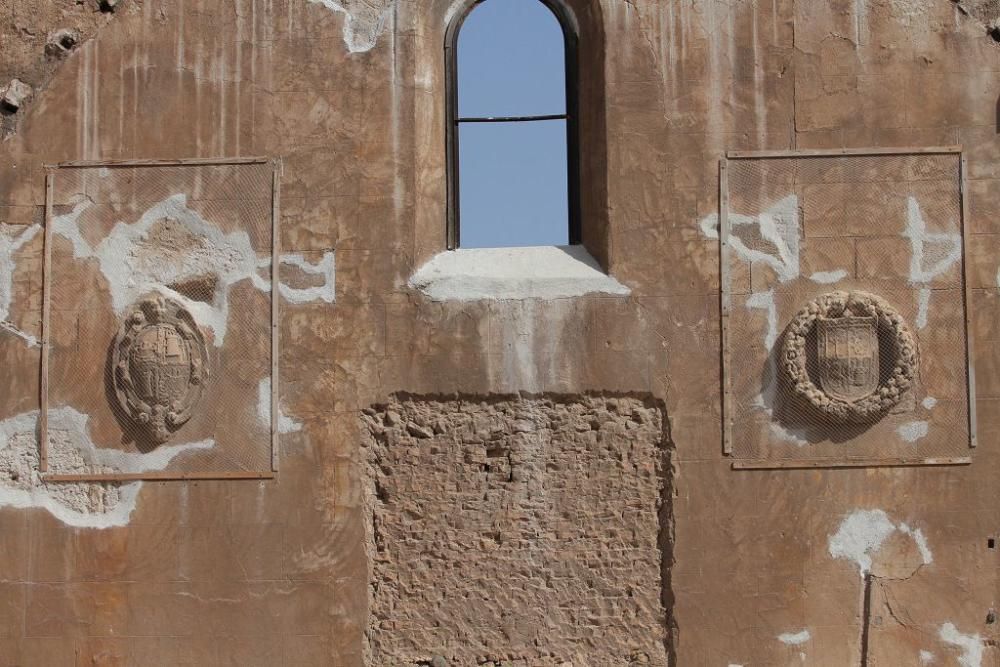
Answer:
(160, 365)
(849, 380)
(847, 352)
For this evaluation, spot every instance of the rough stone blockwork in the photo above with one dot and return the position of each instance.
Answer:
(519, 531)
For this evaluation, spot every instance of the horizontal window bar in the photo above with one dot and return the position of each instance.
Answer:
(510, 119)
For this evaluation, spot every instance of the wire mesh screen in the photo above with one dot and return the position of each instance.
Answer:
(159, 321)
(844, 308)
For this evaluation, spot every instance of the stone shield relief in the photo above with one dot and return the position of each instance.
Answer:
(850, 355)
(159, 368)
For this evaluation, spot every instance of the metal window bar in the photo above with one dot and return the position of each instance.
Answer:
(511, 119)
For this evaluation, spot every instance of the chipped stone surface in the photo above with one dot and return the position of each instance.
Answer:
(71, 451)
(15, 94)
(61, 42)
(518, 530)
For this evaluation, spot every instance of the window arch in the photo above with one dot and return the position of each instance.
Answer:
(512, 127)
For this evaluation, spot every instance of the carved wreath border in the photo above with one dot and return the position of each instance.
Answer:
(863, 304)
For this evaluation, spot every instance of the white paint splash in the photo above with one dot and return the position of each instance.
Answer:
(912, 431)
(364, 21)
(828, 277)
(285, 424)
(778, 227)
(931, 254)
(795, 638)
(71, 450)
(862, 533)
(927, 658)
(971, 645)
(12, 239)
(929, 402)
(172, 244)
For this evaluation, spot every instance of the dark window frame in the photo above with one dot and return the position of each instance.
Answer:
(452, 119)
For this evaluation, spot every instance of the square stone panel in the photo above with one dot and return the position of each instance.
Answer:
(516, 530)
(833, 239)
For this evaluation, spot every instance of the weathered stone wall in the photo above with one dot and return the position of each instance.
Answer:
(768, 568)
(518, 531)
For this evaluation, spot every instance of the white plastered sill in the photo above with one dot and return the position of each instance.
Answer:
(538, 272)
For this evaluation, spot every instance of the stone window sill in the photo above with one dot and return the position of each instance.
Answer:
(539, 272)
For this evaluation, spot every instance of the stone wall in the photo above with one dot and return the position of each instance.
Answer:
(518, 531)
(766, 567)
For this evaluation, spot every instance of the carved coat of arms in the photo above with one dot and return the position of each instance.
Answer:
(847, 351)
(160, 365)
(850, 382)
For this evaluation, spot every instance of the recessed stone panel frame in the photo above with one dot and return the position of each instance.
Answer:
(238, 195)
(518, 530)
(795, 226)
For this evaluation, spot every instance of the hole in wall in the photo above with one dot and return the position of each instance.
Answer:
(991, 543)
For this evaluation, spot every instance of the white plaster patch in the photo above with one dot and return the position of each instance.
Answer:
(923, 306)
(862, 533)
(971, 645)
(795, 638)
(540, 272)
(766, 398)
(929, 402)
(828, 277)
(364, 21)
(931, 254)
(324, 267)
(285, 424)
(172, 244)
(778, 226)
(78, 504)
(136, 262)
(920, 540)
(912, 431)
(12, 239)
(927, 658)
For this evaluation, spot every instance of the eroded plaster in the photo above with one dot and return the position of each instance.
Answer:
(913, 430)
(765, 400)
(970, 645)
(72, 450)
(778, 225)
(12, 239)
(285, 424)
(862, 533)
(171, 244)
(364, 21)
(931, 254)
(794, 638)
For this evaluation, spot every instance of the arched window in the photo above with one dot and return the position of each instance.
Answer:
(512, 127)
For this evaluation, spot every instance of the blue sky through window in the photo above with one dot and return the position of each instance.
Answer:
(512, 176)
